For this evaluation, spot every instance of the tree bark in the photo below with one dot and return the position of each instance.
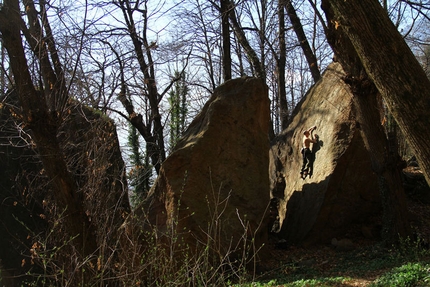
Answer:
(154, 128)
(384, 160)
(301, 36)
(281, 62)
(241, 38)
(392, 66)
(226, 45)
(43, 124)
(2, 71)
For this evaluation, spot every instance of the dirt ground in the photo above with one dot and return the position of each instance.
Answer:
(364, 261)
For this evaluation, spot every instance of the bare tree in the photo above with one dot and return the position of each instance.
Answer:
(3, 69)
(249, 51)
(151, 131)
(303, 41)
(226, 43)
(138, 88)
(42, 106)
(280, 67)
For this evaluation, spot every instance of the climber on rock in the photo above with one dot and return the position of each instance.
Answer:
(306, 151)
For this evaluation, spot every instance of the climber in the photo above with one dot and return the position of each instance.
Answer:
(308, 138)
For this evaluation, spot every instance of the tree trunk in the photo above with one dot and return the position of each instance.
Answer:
(282, 93)
(153, 134)
(241, 38)
(392, 66)
(384, 162)
(43, 125)
(2, 71)
(301, 36)
(226, 51)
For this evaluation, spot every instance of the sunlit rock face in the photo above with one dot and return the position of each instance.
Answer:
(341, 190)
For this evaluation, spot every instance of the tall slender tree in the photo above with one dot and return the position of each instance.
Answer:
(42, 106)
(252, 56)
(2, 71)
(280, 67)
(151, 131)
(226, 43)
(303, 41)
(140, 173)
(178, 108)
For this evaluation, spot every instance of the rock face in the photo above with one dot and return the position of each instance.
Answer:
(21, 195)
(341, 189)
(214, 187)
(27, 205)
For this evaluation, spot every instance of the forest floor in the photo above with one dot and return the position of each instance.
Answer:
(361, 263)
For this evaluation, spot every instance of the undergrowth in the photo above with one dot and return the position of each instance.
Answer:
(406, 265)
(153, 257)
(146, 255)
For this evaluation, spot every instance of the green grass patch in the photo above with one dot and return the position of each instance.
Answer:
(408, 275)
(376, 266)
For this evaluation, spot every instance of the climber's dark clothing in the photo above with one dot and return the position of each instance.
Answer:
(307, 154)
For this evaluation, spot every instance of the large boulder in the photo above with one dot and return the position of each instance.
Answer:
(28, 210)
(214, 187)
(341, 190)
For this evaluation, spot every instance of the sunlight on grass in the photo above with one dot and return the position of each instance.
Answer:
(321, 282)
(410, 274)
(405, 265)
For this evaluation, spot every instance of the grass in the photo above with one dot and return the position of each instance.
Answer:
(410, 274)
(371, 265)
(367, 265)
(145, 258)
